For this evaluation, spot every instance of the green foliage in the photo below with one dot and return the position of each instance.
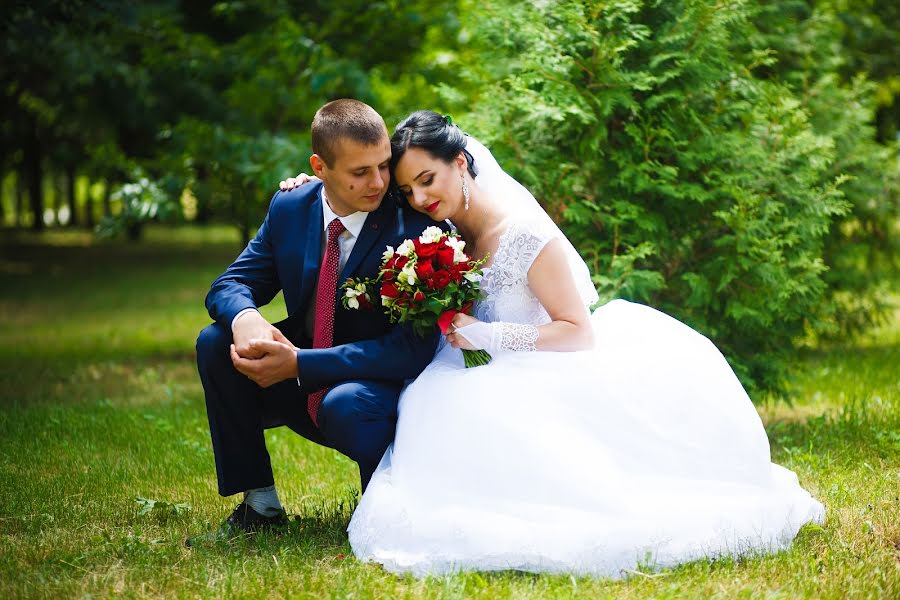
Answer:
(141, 201)
(216, 95)
(686, 179)
(160, 508)
(819, 49)
(284, 61)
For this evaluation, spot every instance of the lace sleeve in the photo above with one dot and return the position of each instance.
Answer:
(518, 337)
(526, 241)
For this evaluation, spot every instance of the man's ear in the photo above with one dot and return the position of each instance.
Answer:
(318, 165)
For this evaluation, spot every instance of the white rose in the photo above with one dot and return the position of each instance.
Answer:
(408, 273)
(387, 254)
(431, 235)
(406, 248)
(353, 303)
(458, 245)
(455, 243)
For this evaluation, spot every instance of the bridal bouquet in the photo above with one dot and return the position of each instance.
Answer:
(425, 281)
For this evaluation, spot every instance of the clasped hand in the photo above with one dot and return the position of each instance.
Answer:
(261, 352)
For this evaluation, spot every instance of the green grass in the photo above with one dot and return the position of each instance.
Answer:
(100, 404)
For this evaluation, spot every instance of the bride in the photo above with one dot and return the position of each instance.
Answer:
(592, 443)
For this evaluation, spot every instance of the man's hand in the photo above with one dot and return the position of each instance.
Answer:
(252, 326)
(277, 361)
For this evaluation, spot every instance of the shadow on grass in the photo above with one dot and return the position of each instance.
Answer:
(863, 428)
(317, 533)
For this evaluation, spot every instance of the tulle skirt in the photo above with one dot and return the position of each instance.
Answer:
(642, 452)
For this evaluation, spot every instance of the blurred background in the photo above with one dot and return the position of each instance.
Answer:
(732, 164)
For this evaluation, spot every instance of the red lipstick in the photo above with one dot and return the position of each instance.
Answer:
(432, 207)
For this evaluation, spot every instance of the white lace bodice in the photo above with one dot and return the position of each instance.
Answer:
(507, 296)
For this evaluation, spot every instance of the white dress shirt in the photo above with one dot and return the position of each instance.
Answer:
(353, 224)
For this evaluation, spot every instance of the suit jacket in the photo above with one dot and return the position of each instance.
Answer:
(286, 255)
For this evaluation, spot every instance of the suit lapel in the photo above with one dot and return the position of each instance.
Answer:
(371, 232)
(312, 257)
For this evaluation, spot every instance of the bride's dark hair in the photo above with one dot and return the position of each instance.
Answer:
(431, 132)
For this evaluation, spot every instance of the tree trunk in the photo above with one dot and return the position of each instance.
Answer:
(245, 235)
(59, 190)
(70, 196)
(202, 194)
(20, 199)
(107, 205)
(134, 232)
(89, 206)
(34, 173)
(2, 205)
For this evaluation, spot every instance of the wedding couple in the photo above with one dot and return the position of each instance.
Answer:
(591, 444)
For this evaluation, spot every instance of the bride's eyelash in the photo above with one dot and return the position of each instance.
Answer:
(408, 192)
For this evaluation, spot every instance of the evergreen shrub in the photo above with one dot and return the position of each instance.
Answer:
(689, 177)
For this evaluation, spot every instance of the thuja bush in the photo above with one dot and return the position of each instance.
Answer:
(819, 58)
(688, 181)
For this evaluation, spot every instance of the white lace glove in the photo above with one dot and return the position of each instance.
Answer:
(498, 338)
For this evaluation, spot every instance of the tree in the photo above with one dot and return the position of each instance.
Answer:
(686, 179)
(828, 54)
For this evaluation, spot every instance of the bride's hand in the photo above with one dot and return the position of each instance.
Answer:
(292, 182)
(455, 339)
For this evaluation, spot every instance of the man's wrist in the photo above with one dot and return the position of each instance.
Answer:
(241, 314)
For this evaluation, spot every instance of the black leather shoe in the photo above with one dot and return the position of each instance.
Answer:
(243, 521)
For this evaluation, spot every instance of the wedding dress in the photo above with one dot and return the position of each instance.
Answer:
(644, 451)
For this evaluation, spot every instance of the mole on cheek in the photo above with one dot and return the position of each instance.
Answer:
(351, 188)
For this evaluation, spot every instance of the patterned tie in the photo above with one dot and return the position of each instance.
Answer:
(326, 298)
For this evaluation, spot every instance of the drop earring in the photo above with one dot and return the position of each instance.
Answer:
(465, 188)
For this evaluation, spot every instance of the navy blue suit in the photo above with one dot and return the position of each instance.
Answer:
(365, 369)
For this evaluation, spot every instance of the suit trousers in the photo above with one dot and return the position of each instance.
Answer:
(356, 418)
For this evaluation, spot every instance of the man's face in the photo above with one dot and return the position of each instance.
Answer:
(358, 178)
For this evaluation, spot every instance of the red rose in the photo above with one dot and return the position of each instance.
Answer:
(439, 280)
(419, 296)
(424, 270)
(389, 275)
(390, 262)
(401, 262)
(445, 256)
(444, 320)
(455, 275)
(364, 303)
(389, 289)
(425, 250)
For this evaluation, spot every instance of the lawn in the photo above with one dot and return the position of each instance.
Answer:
(100, 405)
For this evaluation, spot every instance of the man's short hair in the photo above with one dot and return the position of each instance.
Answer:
(345, 119)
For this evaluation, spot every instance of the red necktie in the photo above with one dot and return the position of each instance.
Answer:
(326, 298)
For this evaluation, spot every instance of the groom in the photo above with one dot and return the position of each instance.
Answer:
(330, 374)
